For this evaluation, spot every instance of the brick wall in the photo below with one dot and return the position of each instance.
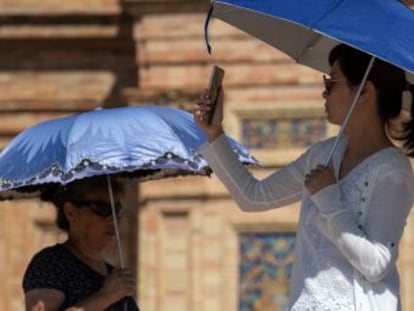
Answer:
(62, 57)
(53, 7)
(51, 66)
(56, 58)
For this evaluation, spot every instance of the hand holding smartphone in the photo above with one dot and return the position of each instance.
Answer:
(214, 87)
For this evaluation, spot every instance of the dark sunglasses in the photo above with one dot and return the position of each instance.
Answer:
(102, 209)
(329, 83)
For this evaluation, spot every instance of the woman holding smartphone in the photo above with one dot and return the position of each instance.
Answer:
(354, 210)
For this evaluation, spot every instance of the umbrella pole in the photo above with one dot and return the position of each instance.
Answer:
(118, 239)
(351, 109)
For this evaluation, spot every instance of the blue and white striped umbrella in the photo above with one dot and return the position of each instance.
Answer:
(147, 142)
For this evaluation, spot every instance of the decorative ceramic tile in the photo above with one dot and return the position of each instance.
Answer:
(283, 132)
(264, 270)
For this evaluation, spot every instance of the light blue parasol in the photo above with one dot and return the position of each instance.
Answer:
(147, 142)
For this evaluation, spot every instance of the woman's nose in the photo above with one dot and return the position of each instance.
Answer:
(324, 94)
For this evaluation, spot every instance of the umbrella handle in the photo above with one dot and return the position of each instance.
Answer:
(351, 109)
(206, 24)
(118, 239)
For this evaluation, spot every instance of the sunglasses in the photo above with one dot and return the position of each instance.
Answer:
(102, 209)
(329, 83)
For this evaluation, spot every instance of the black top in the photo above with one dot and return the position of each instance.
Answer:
(56, 267)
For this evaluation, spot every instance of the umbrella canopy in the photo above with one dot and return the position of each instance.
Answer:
(148, 142)
(307, 30)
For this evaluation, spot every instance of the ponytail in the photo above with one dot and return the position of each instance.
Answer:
(408, 135)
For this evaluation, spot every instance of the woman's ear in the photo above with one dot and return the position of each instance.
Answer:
(368, 93)
(368, 89)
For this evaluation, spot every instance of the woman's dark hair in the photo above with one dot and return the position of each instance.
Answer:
(389, 81)
(76, 190)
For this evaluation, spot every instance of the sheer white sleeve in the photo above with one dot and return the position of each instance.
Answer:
(372, 248)
(283, 187)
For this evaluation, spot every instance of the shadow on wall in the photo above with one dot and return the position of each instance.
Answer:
(86, 58)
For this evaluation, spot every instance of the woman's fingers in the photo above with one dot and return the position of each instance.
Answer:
(202, 107)
(122, 281)
(319, 178)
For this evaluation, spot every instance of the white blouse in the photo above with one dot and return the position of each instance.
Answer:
(349, 232)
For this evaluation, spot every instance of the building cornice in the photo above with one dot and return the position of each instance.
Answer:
(137, 8)
(62, 27)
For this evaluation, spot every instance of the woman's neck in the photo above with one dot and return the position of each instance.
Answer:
(92, 257)
(368, 138)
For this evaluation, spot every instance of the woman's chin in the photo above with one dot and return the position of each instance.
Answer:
(332, 121)
(107, 238)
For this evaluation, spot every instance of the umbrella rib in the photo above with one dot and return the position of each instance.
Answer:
(67, 148)
(327, 12)
(317, 37)
(173, 132)
(309, 46)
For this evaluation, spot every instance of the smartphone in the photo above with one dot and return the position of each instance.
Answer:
(216, 78)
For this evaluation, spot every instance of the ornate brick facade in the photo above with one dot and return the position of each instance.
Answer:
(181, 236)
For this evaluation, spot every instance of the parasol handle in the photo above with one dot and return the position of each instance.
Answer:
(118, 239)
(351, 109)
